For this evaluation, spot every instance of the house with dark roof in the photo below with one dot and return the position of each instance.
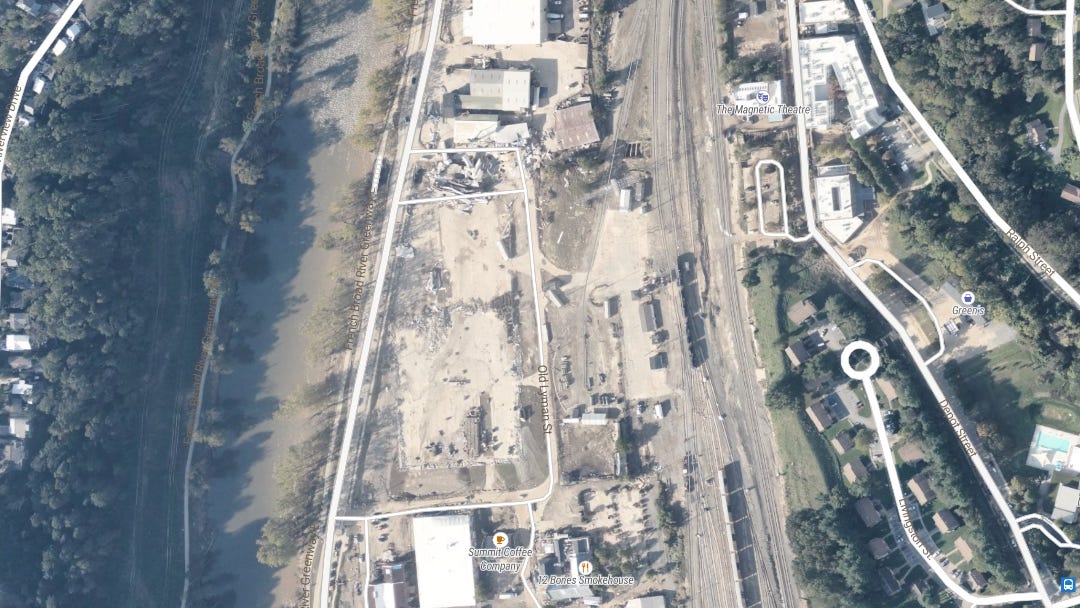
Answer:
(1037, 132)
(820, 416)
(796, 353)
(919, 485)
(947, 521)
(868, 513)
(879, 549)
(855, 470)
(843, 442)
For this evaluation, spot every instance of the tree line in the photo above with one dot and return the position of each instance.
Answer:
(90, 211)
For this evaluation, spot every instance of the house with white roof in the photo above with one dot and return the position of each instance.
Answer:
(16, 343)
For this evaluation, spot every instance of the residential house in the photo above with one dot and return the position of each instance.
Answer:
(1070, 193)
(977, 580)
(919, 485)
(73, 31)
(1037, 133)
(947, 521)
(936, 15)
(19, 425)
(802, 311)
(29, 7)
(1034, 27)
(879, 549)
(17, 321)
(966, 554)
(820, 416)
(843, 442)
(14, 453)
(16, 343)
(796, 353)
(23, 389)
(855, 470)
(1036, 52)
(868, 513)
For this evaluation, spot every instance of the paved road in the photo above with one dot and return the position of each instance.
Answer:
(691, 186)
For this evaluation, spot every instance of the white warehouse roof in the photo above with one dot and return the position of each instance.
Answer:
(444, 570)
(840, 53)
(504, 22)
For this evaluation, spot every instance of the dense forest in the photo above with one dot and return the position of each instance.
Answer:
(947, 227)
(92, 216)
(975, 84)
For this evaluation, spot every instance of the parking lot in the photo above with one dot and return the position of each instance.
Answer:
(908, 153)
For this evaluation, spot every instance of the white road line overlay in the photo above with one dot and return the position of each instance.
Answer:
(867, 378)
(924, 370)
(358, 385)
(783, 203)
(461, 197)
(984, 203)
(8, 126)
(1032, 11)
(912, 291)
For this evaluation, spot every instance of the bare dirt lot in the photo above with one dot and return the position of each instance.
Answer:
(461, 332)
(457, 410)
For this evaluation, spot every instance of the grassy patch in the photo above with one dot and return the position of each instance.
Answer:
(915, 259)
(769, 312)
(1007, 385)
(805, 477)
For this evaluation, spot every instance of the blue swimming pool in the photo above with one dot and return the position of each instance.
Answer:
(1053, 443)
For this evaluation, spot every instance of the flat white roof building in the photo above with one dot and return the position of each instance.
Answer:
(652, 601)
(16, 342)
(506, 22)
(822, 12)
(841, 55)
(746, 94)
(444, 570)
(834, 195)
(1066, 503)
(19, 425)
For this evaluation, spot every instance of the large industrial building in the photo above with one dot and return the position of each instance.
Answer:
(444, 570)
(841, 55)
(506, 22)
(498, 91)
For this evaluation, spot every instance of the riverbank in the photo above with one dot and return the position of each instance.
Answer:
(284, 275)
